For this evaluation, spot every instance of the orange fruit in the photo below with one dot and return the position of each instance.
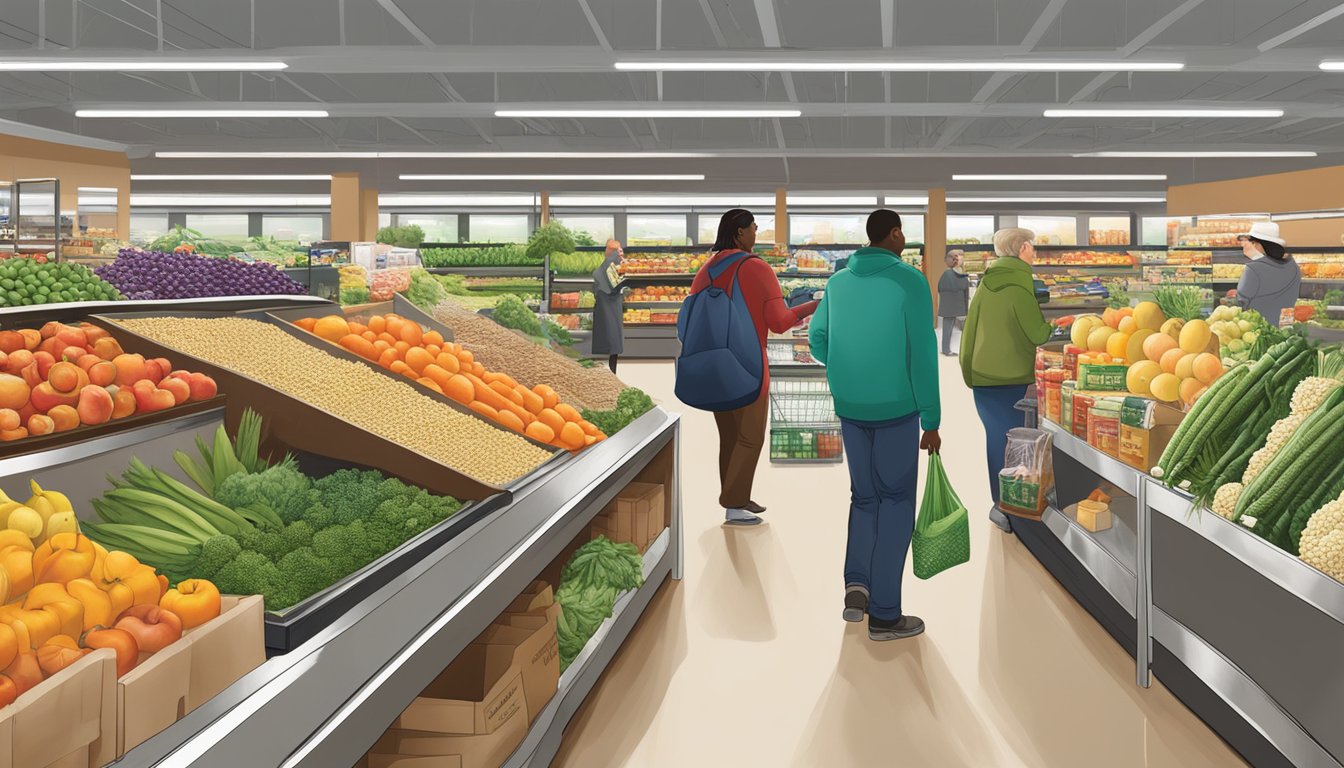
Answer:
(548, 395)
(460, 389)
(567, 411)
(433, 337)
(432, 384)
(360, 346)
(484, 410)
(377, 324)
(402, 347)
(465, 356)
(449, 362)
(572, 437)
(540, 432)
(478, 369)
(418, 358)
(411, 333)
(1170, 358)
(531, 400)
(388, 357)
(551, 419)
(394, 325)
(306, 323)
(332, 327)
(401, 367)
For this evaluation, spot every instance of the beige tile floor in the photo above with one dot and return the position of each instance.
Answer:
(746, 662)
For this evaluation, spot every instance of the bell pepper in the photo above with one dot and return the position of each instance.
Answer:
(58, 653)
(63, 557)
(195, 601)
(17, 564)
(127, 580)
(37, 627)
(98, 608)
(55, 599)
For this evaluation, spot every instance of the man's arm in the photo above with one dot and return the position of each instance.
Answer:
(817, 332)
(1030, 317)
(922, 352)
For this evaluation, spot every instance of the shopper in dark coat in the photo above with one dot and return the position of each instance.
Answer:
(954, 293)
(609, 308)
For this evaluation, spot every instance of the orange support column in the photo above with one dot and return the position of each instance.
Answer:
(346, 222)
(782, 218)
(935, 242)
(368, 215)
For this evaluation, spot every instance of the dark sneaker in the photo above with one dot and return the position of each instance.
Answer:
(856, 603)
(740, 517)
(908, 626)
(754, 508)
(1001, 520)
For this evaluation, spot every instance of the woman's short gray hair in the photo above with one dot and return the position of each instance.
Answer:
(953, 255)
(1009, 242)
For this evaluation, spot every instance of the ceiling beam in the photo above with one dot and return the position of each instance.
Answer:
(1301, 29)
(772, 36)
(1141, 41)
(597, 28)
(713, 23)
(401, 18)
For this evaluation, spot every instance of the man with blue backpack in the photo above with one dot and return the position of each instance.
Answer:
(874, 333)
(735, 300)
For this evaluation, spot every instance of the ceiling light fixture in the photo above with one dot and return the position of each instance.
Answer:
(819, 200)
(430, 155)
(1059, 177)
(1164, 113)
(245, 202)
(465, 201)
(1332, 66)
(139, 65)
(1199, 154)
(230, 177)
(900, 66)
(647, 113)
(1062, 200)
(1337, 214)
(660, 201)
(164, 113)
(552, 177)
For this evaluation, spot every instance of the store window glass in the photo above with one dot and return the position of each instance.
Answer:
(830, 229)
(304, 229)
(1051, 230)
(912, 224)
(438, 227)
(232, 225)
(707, 229)
(498, 228)
(1160, 230)
(655, 230)
(148, 227)
(1108, 230)
(970, 230)
(590, 230)
(384, 220)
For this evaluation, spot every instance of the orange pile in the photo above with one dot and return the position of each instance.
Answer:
(402, 346)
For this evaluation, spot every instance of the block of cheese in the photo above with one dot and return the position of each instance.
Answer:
(1094, 515)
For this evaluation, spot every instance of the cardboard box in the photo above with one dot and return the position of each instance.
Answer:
(476, 710)
(537, 595)
(532, 639)
(1102, 377)
(401, 761)
(1146, 427)
(68, 720)
(167, 685)
(648, 512)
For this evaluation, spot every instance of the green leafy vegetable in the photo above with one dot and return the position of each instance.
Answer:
(354, 295)
(501, 256)
(631, 403)
(410, 236)
(511, 312)
(424, 291)
(552, 237)
(576, 264)
(595, 575)
(1186, 303)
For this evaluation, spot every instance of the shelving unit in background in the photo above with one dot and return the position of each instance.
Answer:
(31, 223)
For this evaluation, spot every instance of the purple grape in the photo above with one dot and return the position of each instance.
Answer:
(156, 275)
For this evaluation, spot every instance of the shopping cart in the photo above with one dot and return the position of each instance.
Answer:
(803, 426)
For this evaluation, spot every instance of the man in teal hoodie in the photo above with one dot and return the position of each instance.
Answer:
(874, 333)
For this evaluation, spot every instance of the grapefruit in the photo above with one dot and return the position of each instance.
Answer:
(1134, 351)
(1139, 380)
(1167, 388)
(1097, 339)
(1149, 315)
(1158, 345)
(1128, 325)
(1117, 345)
(1207, 368)
(1194, 337)
(1185, 367)
(1170, 358)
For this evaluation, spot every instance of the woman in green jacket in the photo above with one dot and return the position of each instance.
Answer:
(998, 347)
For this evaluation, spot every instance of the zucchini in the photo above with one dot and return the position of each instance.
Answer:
(1316, 435)
(1179, 445)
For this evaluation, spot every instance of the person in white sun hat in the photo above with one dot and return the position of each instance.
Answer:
(1272, 281)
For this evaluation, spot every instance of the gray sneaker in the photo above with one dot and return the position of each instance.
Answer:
(856, 602)
(908, 626)
(740, 517)
(999, 519)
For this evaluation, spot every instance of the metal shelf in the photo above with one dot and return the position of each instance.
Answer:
(1116, 472)
(539, 271)
(328, 701)
(1116, 577)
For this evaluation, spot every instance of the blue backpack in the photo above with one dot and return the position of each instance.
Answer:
(720, 366)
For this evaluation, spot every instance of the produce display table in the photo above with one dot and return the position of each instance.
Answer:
(329, 700)
(1245, 634)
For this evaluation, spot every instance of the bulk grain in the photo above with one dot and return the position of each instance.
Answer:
(352, 391)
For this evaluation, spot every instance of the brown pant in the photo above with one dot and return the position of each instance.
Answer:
(741, 437)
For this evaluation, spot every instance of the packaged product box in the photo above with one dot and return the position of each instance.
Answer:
(1050, 385)
(538, 595)
(1103, 377)
(1103, 425)
(1071, 354)
(1066, 391)
(1028, 473)
(536, 652)
(475, 710)
(636, 515)
(1146, 427)
(68, 720)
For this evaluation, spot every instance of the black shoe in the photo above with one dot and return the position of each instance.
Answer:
(856, 603)
(908, 626)
(754, 508)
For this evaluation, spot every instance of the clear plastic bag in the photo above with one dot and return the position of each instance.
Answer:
(1028, 473)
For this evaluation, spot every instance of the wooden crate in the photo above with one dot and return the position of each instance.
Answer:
(67, 721)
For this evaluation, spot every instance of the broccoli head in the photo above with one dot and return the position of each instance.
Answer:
(347, 547)
(305, 573)
(281, 488)
(250, 573)
(350, 494)
(216, 552)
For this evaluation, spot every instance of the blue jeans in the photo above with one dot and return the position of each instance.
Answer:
(997, 407)
(883, 459)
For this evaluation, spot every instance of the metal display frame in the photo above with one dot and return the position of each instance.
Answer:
(1201, 669)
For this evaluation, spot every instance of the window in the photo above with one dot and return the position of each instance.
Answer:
(438, 227)
(912, 224)
(829, 229)
(1160, 230)
(655, 230)
(384, 220)
(148, 227)
(707, 230)
(591, 230)
(230, 225)
(498, 229)
(304, 229)
(1108, 230)
(970, 230)
(1051, 230)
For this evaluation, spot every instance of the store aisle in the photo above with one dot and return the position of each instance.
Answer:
(747, 663)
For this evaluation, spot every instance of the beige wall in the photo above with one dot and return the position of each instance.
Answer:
(1313, 232)
(1313, 190)
(22, 158)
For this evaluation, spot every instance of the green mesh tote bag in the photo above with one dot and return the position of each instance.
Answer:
(942, 529)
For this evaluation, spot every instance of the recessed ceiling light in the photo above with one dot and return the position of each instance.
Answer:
(1061, 200)
(1332, 66)
(646, 113)
(465, 201)
(430, 155)
(1200, 154)
(552, 177)
(230, 177)
(850, 200)
(163, 113)
(741, 65)
(248, 202)
(138, 65)
(1059, 177)
(1164, 113)
(660, 201)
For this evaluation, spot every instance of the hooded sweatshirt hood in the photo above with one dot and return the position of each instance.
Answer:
(870, 260)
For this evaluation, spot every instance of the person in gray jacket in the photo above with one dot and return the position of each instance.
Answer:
(609, 308)
(954, 291)
(1272, 281)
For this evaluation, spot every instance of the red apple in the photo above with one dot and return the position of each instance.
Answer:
(153, 399)
(130, 368)
(45, 397)
(202, 387)
(181, 390)
(95, 405)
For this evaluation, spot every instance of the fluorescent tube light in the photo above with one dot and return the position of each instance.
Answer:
(834, 200)
(1059, 177)
(1200, 154)
(1061, 200)
(178, 201)
(905, 201)
(900, 66)
(1308, 216)
(162, 113)
(99, 190)
(1164, 113)
(465, 201)
(646, 113)
(661, 201)
(552, 177)
(1332, 66)
(230, 177)
(139, 65)
(266, 155)
(430, 155)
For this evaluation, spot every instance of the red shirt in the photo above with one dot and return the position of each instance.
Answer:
(760, 289)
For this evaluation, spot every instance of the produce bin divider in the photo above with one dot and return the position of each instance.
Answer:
(294, 424)
(32, 453)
